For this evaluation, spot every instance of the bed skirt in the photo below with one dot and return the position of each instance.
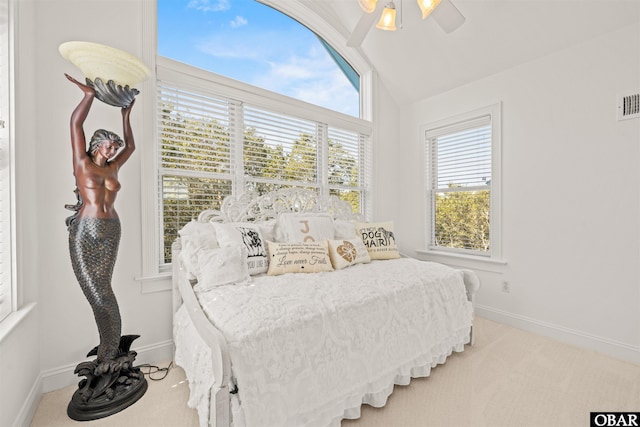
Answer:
(193, 356)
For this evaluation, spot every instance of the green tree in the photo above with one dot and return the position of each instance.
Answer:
(301, 163)
(262, 162)
(344, 173)
(462, 220)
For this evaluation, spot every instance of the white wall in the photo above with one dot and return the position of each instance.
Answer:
(385, 154)
(571, 193)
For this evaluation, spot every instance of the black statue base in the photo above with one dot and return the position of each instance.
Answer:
(109, 387)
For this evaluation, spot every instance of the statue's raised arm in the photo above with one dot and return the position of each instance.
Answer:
(79, 115)
(129, 141)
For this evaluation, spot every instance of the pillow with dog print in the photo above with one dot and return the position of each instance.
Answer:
(379, 239)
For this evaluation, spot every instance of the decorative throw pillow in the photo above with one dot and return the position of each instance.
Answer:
(347, 252)
(247, 234)
(298, 257)
(195, 236)
(379, 239)
(268, 229)
(222, 266)
(305, 227)
(344, 229)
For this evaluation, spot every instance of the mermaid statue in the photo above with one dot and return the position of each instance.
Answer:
(112, 382)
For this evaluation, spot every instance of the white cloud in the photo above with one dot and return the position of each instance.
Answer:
(296, 70)
(217, 48)
(314, 78)
(239, 21)
(288, 65)
(209, 5)
(255, 47)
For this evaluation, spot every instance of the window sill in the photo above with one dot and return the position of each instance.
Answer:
(12, 320)
(160, 282)
(464, 261)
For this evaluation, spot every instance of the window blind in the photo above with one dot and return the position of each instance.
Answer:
(216, 140)
(195, 131)
(461, 155)
(280, 149)
(195, 172)
(460, 165)
(348, 165)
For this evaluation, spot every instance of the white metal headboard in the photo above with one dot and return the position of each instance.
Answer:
(252, 207)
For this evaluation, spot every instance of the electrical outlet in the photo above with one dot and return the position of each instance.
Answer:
(506, 286)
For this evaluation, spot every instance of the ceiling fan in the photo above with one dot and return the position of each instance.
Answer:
(443, 12)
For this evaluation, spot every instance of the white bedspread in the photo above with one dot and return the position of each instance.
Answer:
(309, 349)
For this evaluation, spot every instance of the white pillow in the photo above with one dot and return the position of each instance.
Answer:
(347, 252)
(298, 257)
(249, 235)
(195, 236)
(222, 266)
(268, 230)
(305, 227)
(379, 239)
(344, 229)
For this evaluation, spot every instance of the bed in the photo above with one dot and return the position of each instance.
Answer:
(289, 310)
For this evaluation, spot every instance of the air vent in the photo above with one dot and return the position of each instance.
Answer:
(629, 106)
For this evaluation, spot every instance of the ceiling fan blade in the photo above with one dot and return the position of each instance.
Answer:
(448, 16)
(361, 29)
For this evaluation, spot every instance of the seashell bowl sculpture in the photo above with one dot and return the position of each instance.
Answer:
(113, 73)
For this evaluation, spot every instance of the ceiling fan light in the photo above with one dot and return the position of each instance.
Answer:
(368, 5)
(427, 6)
(387, 20)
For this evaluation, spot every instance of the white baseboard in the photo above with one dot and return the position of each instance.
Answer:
(28, 409)
(612, 348)
(63, 376)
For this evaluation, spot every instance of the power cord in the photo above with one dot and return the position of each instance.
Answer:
(153, 369)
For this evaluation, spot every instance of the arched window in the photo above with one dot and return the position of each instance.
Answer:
(255, 44)
(249, 99)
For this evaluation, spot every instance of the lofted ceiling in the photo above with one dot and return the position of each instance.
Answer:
(420, 60)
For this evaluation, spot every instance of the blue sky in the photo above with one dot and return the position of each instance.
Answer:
(251, 42)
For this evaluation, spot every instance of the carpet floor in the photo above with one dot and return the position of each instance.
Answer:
(508, 378)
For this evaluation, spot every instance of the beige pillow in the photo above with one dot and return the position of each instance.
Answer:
(305, 227)
(379, 239)
(298, 257)
(347, 252)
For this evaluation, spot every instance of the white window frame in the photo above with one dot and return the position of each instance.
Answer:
(232, 99)
(153, 276)
(495, 226)
(8, 291)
